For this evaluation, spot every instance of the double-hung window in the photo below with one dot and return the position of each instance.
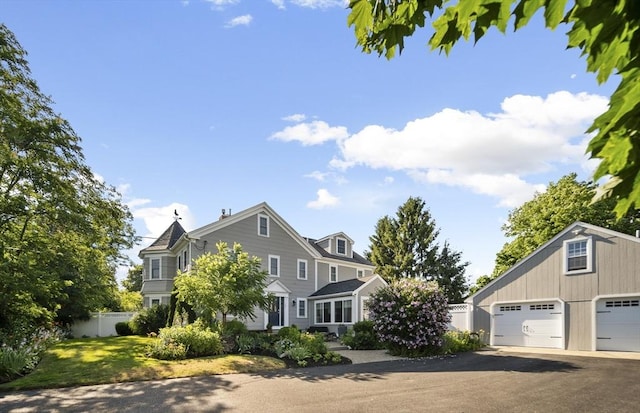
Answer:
(263, 225)
(302, 269)
(578, 256)
(333, 274)
(274, 265)
(302, 307)
(341, 247)
(155, 268)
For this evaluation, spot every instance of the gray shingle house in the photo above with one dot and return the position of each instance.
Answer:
(316, 282)
(579, 291)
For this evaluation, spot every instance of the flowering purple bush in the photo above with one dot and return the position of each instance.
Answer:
(410, 316)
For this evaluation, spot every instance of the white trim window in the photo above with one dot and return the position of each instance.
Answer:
(578, 257)
(155, 269)
(333, 274)
(263, 225)
(341, 246)
(323, 312)
(360, 272)
(302, 269)
(301, 311)
(339, 311)
(155, 302)
(274, 265)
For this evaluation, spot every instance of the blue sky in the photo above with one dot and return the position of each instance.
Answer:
(202, 105)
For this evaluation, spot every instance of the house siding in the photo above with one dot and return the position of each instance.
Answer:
(279, 243)
(615, 263)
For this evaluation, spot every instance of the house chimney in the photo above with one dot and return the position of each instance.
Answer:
(224, 214)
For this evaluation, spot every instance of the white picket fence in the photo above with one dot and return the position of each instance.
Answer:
(99, 325)
(460, 317)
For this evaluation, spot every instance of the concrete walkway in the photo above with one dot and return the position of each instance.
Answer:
(625, 355)
(372, 356)
(362, 356)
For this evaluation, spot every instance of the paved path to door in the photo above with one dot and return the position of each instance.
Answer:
(487, 381)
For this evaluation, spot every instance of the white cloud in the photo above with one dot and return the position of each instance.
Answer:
(279, 4)
(388, 180)
(320, 4)
(158, 219)
(325, 176)
(221, 4)
(489, 154)
(296, 117)
(311, 133)
(317, 175)
(324, 200)
(244, 20)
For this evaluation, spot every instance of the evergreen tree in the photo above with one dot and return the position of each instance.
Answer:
(406, 247)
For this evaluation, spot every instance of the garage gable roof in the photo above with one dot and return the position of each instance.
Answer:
(551, 241)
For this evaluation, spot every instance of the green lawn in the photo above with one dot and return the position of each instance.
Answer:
(119, 359)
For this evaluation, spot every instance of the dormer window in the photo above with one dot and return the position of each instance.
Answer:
(578, 256)
(341, 246)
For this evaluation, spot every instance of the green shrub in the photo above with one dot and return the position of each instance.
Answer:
(150, 320)
(123, 328)
(292, 333)
(298, 353)
(167, 350)
(410, 317)
(21, 351)
(362, 337)
(247, 343)
(313, 342)
(461, 341)
(234, 328)
(282, 346)
(198, 340)
(13, 362)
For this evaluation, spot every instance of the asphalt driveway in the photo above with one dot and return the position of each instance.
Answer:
(486, 381)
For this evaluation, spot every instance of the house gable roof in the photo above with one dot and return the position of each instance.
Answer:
(257, 209)
(560, 235)
(168, 238)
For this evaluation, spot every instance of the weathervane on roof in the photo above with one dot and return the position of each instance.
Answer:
(176, 217)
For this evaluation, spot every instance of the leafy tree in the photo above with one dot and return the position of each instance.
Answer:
(405, 247)
(61, 229)
(130, 301)
(606, 32)
(133, 280)
(229, 282)
(548, 213)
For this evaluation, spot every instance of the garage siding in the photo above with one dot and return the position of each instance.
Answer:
(578, 325)
(615, 259)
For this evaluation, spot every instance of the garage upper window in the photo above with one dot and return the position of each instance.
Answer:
(578, 256)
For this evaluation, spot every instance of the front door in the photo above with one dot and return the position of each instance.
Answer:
(278, 312)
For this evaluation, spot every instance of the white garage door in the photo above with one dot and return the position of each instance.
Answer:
(618, 324)
(528, 324)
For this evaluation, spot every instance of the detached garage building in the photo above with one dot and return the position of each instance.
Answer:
(579, 291)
